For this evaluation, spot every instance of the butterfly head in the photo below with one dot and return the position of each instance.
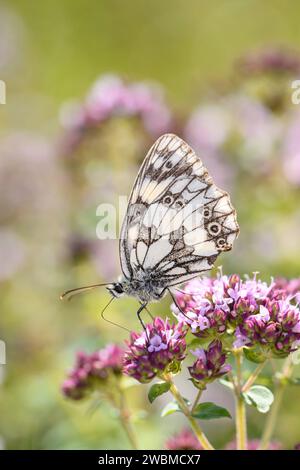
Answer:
(116, 289)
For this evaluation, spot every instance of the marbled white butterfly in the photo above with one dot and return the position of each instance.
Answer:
(177, 223)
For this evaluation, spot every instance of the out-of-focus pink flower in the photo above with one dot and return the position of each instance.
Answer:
(253, 444)
(27, 168)
(208, 128)
(111, 96)
(291, 151)
(270, 59)
(158, 349)
(92, 371)
(12, 253)
(207, 131)
(290, 286)
(184, 440)
(257, 129)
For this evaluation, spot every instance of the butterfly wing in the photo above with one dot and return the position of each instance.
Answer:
(178, 220)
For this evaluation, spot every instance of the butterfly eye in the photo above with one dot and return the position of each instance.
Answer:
(221, 242)
(207, 213)
(214, 228)
(168, 200)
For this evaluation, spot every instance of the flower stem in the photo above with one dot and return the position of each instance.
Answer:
(253, 377)
(126, 423)
(241, 428)
(186, 411)
(118, 399)
(198, 396)
(278, 395)
(240, 407)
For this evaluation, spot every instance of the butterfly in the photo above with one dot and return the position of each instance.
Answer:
(176, 224)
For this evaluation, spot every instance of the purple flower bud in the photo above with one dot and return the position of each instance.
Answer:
(210, 363)
(160, 348)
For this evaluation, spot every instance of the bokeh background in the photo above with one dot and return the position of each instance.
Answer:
(90, 85)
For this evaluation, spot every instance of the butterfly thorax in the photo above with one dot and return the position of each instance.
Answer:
(145, 286)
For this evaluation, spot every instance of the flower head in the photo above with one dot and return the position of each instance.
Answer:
(161, 347)
(250, 312)
(184, 440)
(210, 364)
(92, 371)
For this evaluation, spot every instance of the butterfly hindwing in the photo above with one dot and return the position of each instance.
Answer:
(178, 220)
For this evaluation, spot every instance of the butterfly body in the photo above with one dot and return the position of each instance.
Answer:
(146, 286)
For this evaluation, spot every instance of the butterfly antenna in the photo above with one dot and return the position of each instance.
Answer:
(69, 294)
(109, 321)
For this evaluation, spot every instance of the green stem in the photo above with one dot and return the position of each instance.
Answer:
(188, 414)
(253, 377)
(278, 396)
(126, 422)
(240, 419)
(198, 396)
(117, 397)
(240, 407)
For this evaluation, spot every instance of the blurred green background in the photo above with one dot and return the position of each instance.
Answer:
(52, 52)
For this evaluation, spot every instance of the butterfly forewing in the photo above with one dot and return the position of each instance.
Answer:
(178, 220)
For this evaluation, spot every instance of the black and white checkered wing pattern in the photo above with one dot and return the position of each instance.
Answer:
(177, 220)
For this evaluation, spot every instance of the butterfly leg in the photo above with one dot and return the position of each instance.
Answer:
(141, 308)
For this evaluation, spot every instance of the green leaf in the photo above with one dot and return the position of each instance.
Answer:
(260, 397)
(226, 383)
(254, 355)
(170, 408)
(209, 410)
(158, 389)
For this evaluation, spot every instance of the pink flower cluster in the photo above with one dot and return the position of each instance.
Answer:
(252, 312)
(91, 371)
